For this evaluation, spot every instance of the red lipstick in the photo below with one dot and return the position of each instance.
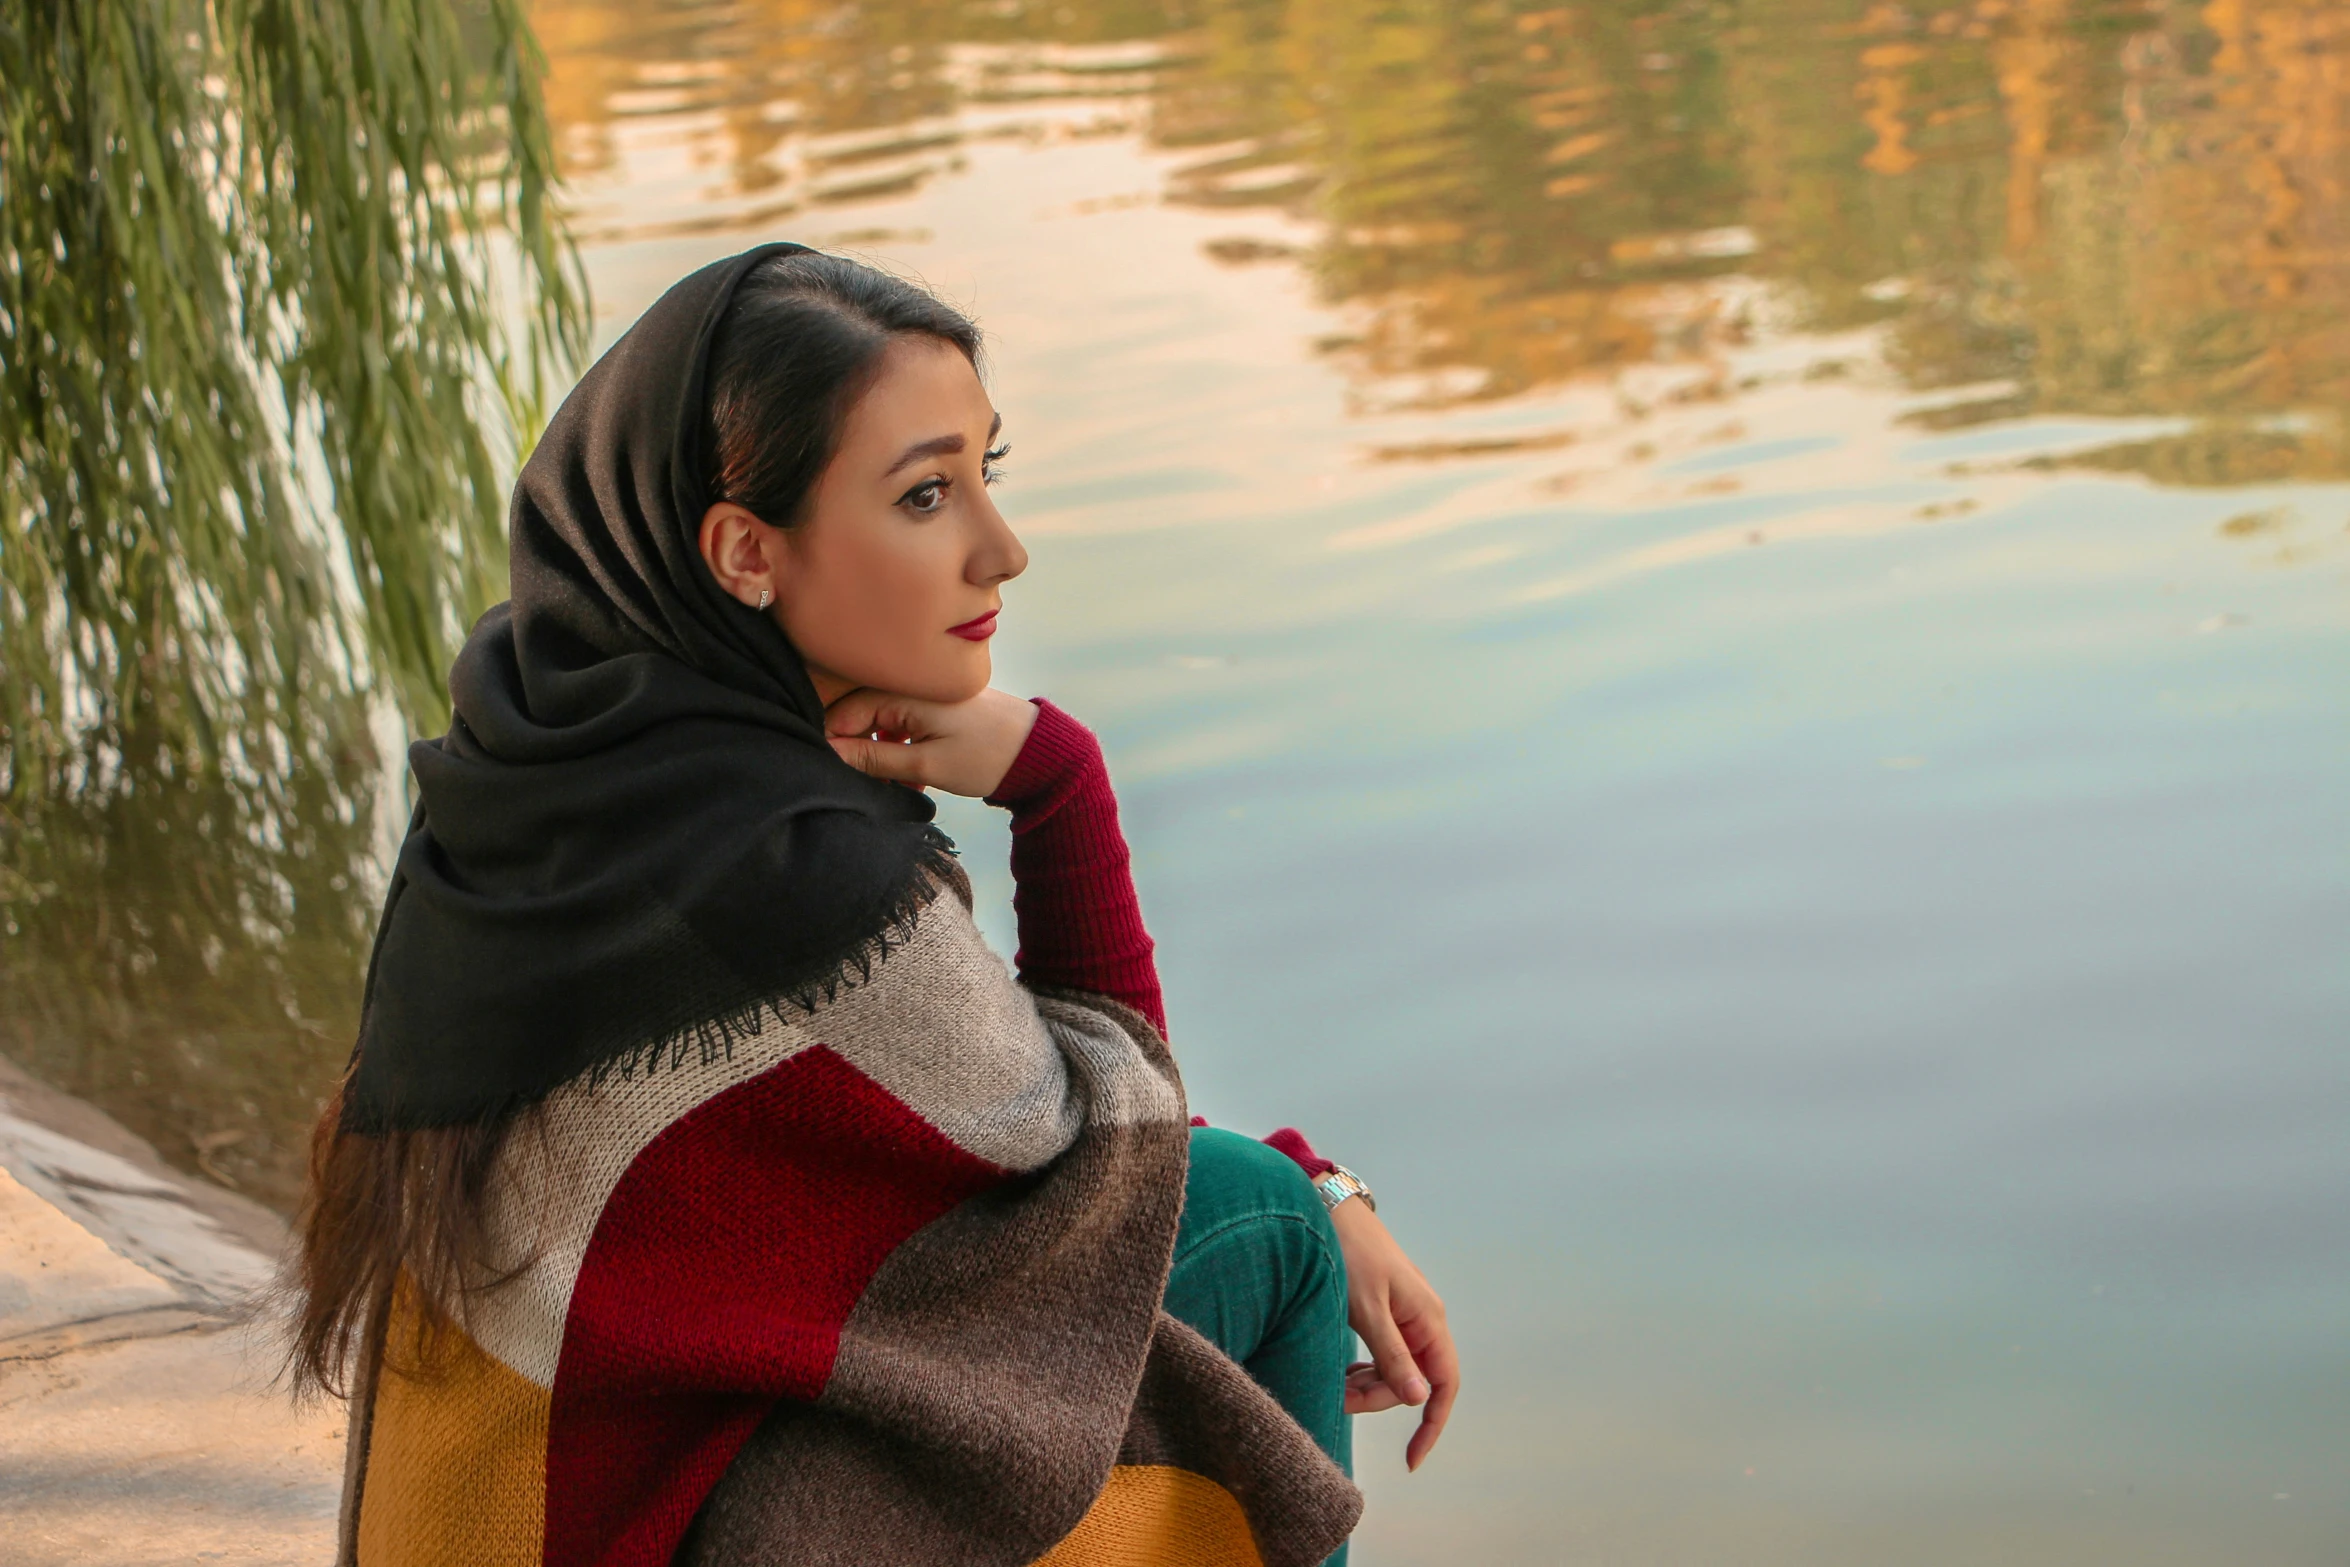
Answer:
(976, 630)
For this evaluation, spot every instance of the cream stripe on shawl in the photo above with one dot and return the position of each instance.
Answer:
(940, 1025)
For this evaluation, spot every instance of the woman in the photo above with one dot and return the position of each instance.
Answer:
(701, 1188)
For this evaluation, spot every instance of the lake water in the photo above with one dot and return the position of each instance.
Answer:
(1723, 631)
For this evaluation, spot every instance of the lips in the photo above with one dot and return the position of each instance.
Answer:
(976, 630)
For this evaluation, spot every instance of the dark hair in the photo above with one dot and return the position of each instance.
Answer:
(380, 1204)
(800, 343)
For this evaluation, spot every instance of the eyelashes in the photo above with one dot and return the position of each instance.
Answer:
(928, 496)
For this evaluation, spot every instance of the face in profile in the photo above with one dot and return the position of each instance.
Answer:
(891, 578)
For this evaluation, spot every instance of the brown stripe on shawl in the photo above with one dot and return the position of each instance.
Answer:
(920, 1451)
(1197, 1410)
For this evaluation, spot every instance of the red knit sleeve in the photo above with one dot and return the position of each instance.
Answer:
(1072, 885)
(1291, 1141)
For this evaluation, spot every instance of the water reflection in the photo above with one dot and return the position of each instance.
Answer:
(182, 934)
(2049, 206)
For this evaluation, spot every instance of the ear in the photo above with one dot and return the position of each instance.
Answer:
(736, 546)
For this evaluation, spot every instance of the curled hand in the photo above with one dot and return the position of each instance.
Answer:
(962, 747)
(1390, 1304)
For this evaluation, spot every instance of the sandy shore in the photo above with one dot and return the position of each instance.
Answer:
(137, 1425)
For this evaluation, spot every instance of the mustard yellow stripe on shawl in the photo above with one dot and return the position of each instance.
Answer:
(456, 1458)
(1154, 1515)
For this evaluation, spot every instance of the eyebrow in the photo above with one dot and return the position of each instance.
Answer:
(939, 446)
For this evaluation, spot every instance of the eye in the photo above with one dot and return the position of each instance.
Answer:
(991, 469)
(925, 498)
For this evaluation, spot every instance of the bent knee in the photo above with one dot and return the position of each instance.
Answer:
(1238, 1177)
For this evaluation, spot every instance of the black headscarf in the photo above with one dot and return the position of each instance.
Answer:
(633, 841)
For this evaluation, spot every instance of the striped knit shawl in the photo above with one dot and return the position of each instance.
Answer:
(882, 1286)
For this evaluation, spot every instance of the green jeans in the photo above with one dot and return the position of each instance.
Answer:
(1258, 1273)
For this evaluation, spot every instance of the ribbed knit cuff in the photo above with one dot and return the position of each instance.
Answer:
(1291, 1141)
(1052, 764)
(1072, 885)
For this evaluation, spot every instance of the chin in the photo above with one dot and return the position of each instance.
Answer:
(964, 679)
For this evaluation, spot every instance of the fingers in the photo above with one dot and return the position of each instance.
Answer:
(1432, 1421)
(890, 759)
(870, 729)
(866, 711)
(1434, 1352)
(1389, 1353)
(1367, 1393)
(1402, 1371)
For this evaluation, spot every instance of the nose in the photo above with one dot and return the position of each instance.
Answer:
(1000, 556)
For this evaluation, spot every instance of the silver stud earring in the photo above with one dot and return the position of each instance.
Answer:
(764, 598)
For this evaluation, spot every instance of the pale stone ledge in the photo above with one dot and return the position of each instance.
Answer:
(137, 1423)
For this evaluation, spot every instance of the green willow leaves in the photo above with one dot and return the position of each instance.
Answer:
(258, 265)
(282, 294)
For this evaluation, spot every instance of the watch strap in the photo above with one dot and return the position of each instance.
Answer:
(1336, 1184)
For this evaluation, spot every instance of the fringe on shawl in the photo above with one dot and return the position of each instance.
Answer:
(711, 1039)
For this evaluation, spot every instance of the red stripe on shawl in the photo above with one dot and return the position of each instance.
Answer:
(717, 1281)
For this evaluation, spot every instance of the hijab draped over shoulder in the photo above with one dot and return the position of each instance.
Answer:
(633, 839)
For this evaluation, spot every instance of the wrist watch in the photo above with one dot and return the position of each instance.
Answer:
(1338, 1183)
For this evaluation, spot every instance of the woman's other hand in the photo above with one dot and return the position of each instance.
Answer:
(1401, 1321)
(962, 747)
